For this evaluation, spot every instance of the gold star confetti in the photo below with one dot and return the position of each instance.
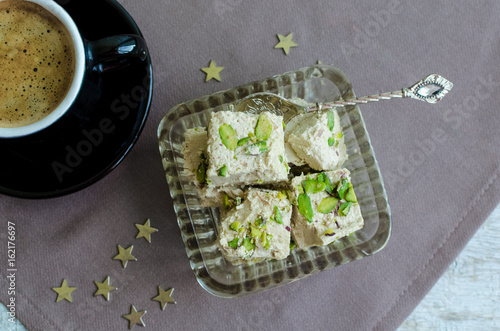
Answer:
(135, 317)
(125, 255)
(164, 297)
(104, 288)
(212, 71)
(64, 292)
(285, 43)
(145, 231)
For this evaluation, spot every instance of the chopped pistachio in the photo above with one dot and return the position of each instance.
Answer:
(257, 148)
(278, 218)
(331, 141)
(263, 237)
(228, 136)
(284, 125)
(322, 177)
(281, 158)
(260, 222)
(243, 141)
(343, 187)
(305, 207)
(292, 245)
(263, 128)
(267, 245)
(234, 226)
(222, 171)
(312, 186)
(340, 135)
(201, 172)
(329, 232)
(350, 195)
(234, 243)
(254, 232)
(247, 243)
(331, 120)
(327, 205)
(282, 195)
(237, 201)
(225, 201)
(344, 208)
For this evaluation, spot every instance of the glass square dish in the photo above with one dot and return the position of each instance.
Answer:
(198, 225)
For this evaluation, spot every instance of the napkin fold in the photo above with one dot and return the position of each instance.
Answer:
(440, 164)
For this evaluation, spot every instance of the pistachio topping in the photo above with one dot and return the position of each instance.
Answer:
(267, 245)
(331, 120)
(343, 187)
(228, 136)
(234, 243)
(329, 232)
(260, 222)
(344, 208)
(225, 201)
(257, 148)
(234, 226)
(254, 232)
(327, 205)
(222, 171)
(201, 172)
(331, 141)
(350, 195)
(248, 244)
(305, 207)
(322, 177)
(278, 218)
(263, 128)
(243, 141)
(312, 186)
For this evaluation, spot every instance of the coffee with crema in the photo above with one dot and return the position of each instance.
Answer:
(37, 63)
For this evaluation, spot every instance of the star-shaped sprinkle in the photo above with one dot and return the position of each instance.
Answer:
(285, 42)
(145, 231)
(135, 317)
(212, 71)
(164, 297)
(64, 292)
(104, 288)
(125, 255)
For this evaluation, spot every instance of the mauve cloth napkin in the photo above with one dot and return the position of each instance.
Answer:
(440, 164)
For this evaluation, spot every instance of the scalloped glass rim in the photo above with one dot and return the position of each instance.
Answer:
(198, 225)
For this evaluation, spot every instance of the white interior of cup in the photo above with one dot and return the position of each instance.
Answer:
(74, 89)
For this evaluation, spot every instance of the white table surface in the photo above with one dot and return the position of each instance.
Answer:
(466, 297)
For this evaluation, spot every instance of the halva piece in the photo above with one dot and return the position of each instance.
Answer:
(326, 208)
(194, 150)
(256, 228)
(245, 149)
(316, 139)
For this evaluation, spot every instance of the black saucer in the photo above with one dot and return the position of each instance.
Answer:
(94, 136)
